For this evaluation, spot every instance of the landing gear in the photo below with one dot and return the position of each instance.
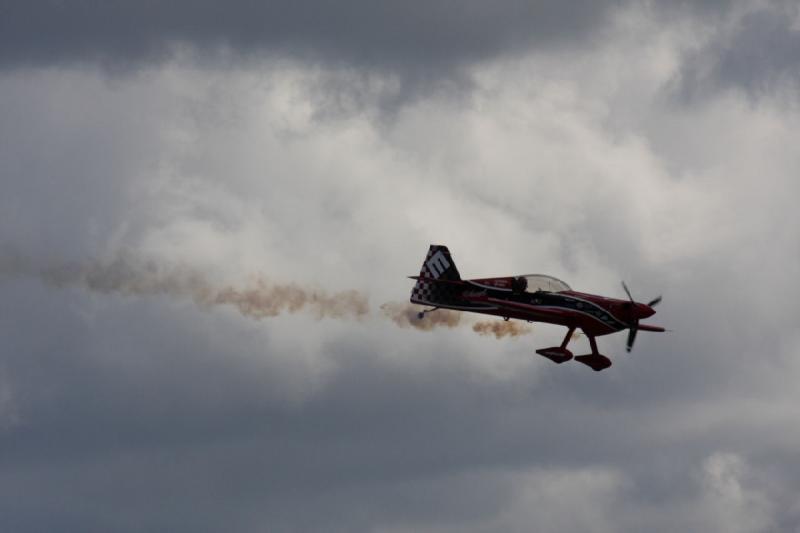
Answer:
(595, 360)
(421, 314)
(559, 354)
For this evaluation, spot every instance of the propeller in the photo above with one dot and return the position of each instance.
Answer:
(627, 291)
(633, 326)
(631, 336)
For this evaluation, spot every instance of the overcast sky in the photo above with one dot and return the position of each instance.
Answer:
(151, 153)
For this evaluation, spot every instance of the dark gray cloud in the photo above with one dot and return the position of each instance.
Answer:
(756, 51)
(426, 46)
(406, 36)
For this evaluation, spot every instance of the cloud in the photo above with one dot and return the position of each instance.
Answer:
(731, 505)
(422, 36)
(756, 49)
(421, 47)
(145, 412)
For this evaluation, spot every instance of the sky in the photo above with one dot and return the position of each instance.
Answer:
(206, 208)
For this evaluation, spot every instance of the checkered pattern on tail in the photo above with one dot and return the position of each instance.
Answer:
(437, 265)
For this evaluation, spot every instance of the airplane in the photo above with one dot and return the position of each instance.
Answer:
(534, 298)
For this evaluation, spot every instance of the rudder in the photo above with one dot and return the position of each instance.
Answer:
(438, 265)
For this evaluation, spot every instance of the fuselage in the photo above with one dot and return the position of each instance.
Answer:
(596, 315)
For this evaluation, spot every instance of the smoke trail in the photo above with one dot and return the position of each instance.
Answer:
(259, 299)
(405, 316)
(266, 300)
(501, 328)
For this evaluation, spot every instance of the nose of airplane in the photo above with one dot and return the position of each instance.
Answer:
(644, 310)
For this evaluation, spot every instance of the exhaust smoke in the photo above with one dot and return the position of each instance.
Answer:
(258, 298)
(501, 328)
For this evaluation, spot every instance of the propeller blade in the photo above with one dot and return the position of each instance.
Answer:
(627, 291)
(632, 336)
(654, 302)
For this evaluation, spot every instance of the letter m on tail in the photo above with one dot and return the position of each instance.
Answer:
(438, 266)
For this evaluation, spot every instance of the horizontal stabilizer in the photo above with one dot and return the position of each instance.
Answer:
(435, 280)
(645, 327)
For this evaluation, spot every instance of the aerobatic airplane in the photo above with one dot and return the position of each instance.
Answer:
(535, 298)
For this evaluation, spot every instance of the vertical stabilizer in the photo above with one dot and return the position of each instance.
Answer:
(438, 265)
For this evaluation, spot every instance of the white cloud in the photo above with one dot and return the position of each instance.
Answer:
(728, 502)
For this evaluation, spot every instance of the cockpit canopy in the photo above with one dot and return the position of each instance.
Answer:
(539, 282)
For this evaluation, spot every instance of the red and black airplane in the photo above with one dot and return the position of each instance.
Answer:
(535, 298)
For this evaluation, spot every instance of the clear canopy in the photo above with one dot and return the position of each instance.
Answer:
(542, 282)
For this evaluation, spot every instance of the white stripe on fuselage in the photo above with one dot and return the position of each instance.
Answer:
(540, 307)
(593, 304)
(490, 287)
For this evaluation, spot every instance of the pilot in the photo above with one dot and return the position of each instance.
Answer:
(518, 285)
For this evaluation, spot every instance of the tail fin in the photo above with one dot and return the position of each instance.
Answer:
(438, 265)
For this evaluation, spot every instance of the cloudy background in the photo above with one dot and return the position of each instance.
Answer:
(327, 145)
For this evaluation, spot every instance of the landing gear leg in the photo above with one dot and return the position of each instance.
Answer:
(593, 344)
(558, 354)
(595, 360)
(568, 337)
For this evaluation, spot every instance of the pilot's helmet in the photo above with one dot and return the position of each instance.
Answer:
(519, 284)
